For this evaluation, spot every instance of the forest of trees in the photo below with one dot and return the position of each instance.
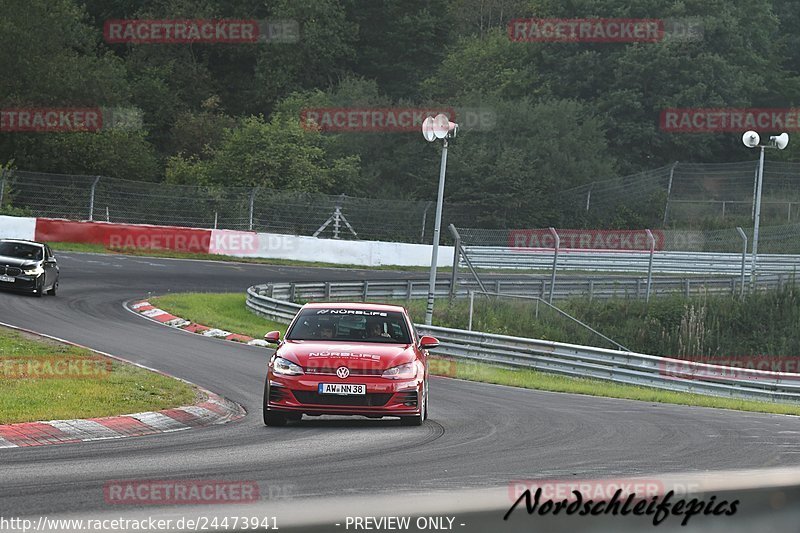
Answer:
(228, 114)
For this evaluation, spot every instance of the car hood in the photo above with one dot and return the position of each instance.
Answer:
(17, 262)
(374, 357)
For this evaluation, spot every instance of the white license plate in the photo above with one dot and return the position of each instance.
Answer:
(345, 389)
(7, 279)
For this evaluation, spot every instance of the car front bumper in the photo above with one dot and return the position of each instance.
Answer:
(384, 397)
(21, 283)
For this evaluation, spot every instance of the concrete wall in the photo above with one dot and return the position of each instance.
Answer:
(17, 227)
(225, 242)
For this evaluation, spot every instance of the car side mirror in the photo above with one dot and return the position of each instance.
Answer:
(273, 337)
(428, 342)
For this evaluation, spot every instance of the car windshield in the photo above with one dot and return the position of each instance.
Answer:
(353, 325)
(20, 250)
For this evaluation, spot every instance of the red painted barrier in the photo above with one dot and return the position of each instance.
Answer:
(140, 237)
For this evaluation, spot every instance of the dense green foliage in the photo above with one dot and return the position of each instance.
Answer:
(221, 114)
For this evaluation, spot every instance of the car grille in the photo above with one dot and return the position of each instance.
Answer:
(408, 398)
(353, 371)
(367, 400)
(10, 271)
(277, 394)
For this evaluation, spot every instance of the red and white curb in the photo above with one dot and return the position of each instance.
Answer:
(214, 410)
(152, 312)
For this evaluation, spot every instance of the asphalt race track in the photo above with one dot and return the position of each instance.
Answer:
(478, 436)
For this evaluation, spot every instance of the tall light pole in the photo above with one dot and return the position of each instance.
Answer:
(432, 129)
(751, 139)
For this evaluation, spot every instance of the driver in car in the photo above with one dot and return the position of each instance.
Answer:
(375, 330)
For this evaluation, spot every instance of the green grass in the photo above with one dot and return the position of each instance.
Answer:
(27, 396)
(218, 310)
(531, 379)
(227, 310)
(169, 254)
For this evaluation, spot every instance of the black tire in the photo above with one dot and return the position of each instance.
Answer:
(427, 395)
(420, 418)
(39, 290)
(53, 289)
(271, 418)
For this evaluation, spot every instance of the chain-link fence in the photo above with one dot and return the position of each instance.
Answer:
(692, 194)
(674, 196)
(290, 212)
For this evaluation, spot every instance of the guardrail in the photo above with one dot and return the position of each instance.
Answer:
(567, 359)
(710, 263)
(565, 287)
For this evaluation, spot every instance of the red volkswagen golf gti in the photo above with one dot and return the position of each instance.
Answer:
(348, 359)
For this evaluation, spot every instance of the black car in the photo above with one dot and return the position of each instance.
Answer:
(28, 266)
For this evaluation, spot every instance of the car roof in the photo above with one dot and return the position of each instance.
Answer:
(22, 241)
(356, 305)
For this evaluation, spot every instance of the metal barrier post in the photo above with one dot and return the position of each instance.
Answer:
(471, 307)
(252, 204)
(2, 185)
(743, 235)
(466, 258)
(91, 198)
(456, 257)
(555, 263)
(652, 242)
(424, 222)
(669, 191)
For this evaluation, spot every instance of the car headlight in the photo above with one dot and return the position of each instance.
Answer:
(286, 367)
(34, 271)
(406, 371)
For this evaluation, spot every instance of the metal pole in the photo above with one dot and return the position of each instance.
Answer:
(436, 230)
(456, 255)
(755, 192)
(91, 198)
(588, 198)
(108, 215)
(743, 235)
(471, 307)
(215, 220)
(757, 216)
(652, 242)
(252, 204)
(669, 191)
(2, 185)
(555, 263)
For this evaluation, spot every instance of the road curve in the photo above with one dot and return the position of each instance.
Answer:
(478, 436)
